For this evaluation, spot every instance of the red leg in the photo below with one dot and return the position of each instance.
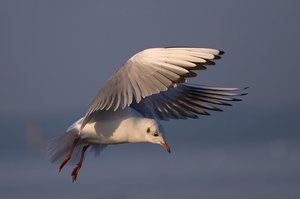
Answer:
(79, 164)
(69, 155)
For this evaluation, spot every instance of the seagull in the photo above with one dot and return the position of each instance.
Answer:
(149, 87)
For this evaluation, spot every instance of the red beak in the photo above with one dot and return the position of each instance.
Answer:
(166, 147)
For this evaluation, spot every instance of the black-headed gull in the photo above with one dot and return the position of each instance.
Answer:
(150, 86)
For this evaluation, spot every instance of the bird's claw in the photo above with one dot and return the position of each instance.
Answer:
(75, 173)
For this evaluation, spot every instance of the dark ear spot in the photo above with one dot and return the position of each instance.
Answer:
(148, 130)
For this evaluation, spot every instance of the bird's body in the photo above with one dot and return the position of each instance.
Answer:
(150, 86)
(114, 127)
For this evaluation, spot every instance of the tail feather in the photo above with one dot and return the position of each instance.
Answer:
(59, 147)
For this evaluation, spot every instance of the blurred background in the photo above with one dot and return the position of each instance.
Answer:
(55, 55)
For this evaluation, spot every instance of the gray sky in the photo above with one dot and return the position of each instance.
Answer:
(55, 55)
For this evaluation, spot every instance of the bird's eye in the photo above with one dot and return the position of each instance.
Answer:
(155, 134)
(148, 130)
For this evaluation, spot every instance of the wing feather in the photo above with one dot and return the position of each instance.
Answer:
(186, 101)
(151, 72)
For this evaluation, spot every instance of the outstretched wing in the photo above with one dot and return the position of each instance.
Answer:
(150, 72)
(186, 101)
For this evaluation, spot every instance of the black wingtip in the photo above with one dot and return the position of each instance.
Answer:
(245, 88)
(208, 62)
(221, 52)
(217, 57)
(236, 99)
(217, 109)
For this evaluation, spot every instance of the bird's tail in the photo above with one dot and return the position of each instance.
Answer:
(59, 147)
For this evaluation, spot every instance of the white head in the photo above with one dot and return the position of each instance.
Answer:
(148, 130)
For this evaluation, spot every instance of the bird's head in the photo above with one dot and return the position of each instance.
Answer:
(154, 134)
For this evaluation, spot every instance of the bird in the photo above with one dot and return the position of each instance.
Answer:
(148, 88)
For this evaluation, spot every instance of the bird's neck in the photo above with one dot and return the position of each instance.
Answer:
(132, 130)
(136, 136)
(133, 126)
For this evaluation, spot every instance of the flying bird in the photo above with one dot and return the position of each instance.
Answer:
(149, 87)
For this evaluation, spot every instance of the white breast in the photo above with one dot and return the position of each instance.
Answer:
(110, 127)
